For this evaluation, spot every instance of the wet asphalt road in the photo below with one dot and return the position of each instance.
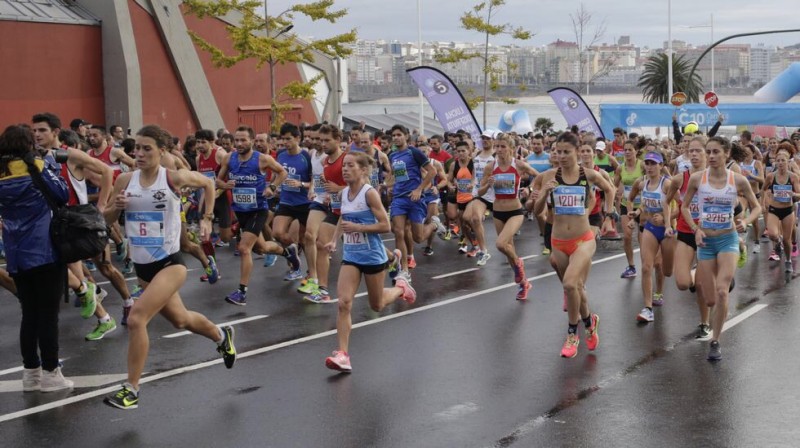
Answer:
(467, 365)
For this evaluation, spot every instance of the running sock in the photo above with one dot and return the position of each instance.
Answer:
(130, 387)
(127, 303)
(222, 336)
(104, 319)
(243, 288)
(573, 329)
(83, 288)
(587, 321)
(649, 308)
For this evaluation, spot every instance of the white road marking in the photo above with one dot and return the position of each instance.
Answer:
(233, 322)
(454, 273)
(528, 257)
(80, 382)
(386, 241)
(739, 318)
(455, 412)
(21, 368)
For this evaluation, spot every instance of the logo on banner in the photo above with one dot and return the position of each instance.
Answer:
(631, 120)
(570, 102)
(440, 87)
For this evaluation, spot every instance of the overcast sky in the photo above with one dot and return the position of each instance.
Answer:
(644, 20)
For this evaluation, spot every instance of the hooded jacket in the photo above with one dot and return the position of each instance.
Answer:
(26, 216)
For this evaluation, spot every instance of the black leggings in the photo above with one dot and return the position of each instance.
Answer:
(40, 290)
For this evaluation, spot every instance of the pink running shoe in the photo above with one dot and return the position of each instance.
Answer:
(570, 348)
(519, 271)
(592, 338)
(795, 252)
(409, 293)
(522, 292)
(339, 361)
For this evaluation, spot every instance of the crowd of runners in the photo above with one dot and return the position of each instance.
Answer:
(307, 192)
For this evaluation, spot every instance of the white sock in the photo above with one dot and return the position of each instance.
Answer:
(221, 336)
(127, 302)
(104, 319)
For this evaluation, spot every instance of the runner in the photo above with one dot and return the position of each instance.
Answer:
(209, 161)
(476, 210)
(150, 199)
(503, 176)
(461, 177)
(781, 191)
(602, 225)
(431, 196)
(568, 191)
(363, 221)
(629, 170)
(754, 172)
(716, 236)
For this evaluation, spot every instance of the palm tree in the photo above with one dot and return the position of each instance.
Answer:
(654, 79)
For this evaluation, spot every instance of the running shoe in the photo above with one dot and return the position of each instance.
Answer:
(409, 293)
(226, 348)
(101, 330)
(473, 252)
(321, 296)
(646, 315)
(292, 257)
(405, 275)
(592, 338)
(90, 265)
(127, 267)
(530, 216)
(522, 291)
(126, 311)
(629, 272)
(462, 247)
(221, 243)
(788, 266)
(212, 273)
(293, 275)
(88, 300)
(54, 380)
(125, 398)
(445, 236)
(742, 256)
(269, 260)
(100, 294)
(756, 248)
(545, 251)
(428, 251)
(339, 361)
(310, 287)
(714, 351)
(122, 251)
(456, 229)
(394, 265)
(237, 297)
(570, 348)
(412, 263)
(611, 235)
(658, 299)
(519, 271)
(765, 235)
(773, 256)
(439, 226)
(795, 251)
(236, 251)
(32, 379)
(483, 257)
(703, 332)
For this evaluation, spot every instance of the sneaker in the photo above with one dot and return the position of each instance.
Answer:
(703, 332)
(519, 271)
(445, 236)
(530, 216)
(522, 291)
(428, 251)
(237, 297)
(32, 379)
(795, 252)
(293, 275)
(236, 251)
(462, 247)
(339, 361)
(629, 272)
(788, 266)
(137, 292)
(394, 265)
(439, 226)
(473, 252)
(321, 296)
(101, 330)
(773, 256)
(125, 398)
(127, 267)
(405, 275)
(570, 348)
(122, 251)
(483, 257)
(714, 352)
(269, 260)
(311, 286)
(211, 271)
(292, 257)
(646, 315)
(611, 235)
(658, 299)
(53, 381)
(226, 349)
(90, 265)
(88, 300)
(126, 311)
(221, 243)
(100, 294)
(756, 248)
(742, 257)
(412, 262)
(545, 251)
(592, 338)
(456, 229)
(409, 293)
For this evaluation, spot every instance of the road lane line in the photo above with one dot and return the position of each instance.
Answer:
(170, 373)
(233, 322)
(21, 368)
(455, 273)
(528, 257)
(740, 317)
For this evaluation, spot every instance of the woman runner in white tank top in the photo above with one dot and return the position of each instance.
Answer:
(152, 220)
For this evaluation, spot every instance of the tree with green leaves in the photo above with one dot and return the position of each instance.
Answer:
(265, 39)
(544, 125)
(655, 79)
(480, 19)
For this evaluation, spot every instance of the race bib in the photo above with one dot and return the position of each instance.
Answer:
(400, 171)
(286, 186)
(652, 201)
(717, 217)
(694, 209)
(464, 185)
(145, 229)
(209, 174)
(637, 200)
(319, 187)
(569, 200)
(245, 197)
(782, 193)
(356, 241)
(504, 183)
(336, 200)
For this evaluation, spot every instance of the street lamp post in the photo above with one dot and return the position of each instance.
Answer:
(710, 25)
(669, 47)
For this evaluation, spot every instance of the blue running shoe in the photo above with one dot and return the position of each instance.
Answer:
(122, 251)
(292, 257)
(127, 267)
(294, 275)
(211, 271)
(629, 272)
(90, 265)
(269, 260)
(137, 292)
(237, 298)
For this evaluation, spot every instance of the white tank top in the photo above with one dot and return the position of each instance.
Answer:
(79, 187)
(317, 169)
(480, 163)
(717, 204)
(152, 219)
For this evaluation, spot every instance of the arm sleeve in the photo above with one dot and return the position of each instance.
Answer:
(676, 132)
(713, 131)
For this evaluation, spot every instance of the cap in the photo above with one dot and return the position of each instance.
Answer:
(654, 157)
(489, 133)
(691, 128)
(77, 122)
(600, 146)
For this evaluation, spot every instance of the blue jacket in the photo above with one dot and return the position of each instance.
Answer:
(26, 217)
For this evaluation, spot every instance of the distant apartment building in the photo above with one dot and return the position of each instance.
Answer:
(761, 64)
